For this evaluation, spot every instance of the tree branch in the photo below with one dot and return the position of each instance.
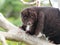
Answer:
(5, 23)
(28, 3)
(14, 33)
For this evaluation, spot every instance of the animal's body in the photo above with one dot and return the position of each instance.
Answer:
(42, 19)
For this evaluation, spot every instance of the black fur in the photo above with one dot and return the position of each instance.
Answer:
(45, 20)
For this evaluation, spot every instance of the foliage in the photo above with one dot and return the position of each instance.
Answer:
(16, 22)
(12, 8)
(28, 0)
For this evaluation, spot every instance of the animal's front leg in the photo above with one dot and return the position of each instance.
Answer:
(23, 27)
(40, 24)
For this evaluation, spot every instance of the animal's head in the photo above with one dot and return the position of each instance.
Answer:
(29, 16)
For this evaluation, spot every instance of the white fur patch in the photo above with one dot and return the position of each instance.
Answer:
(28, 28)
(39, 35)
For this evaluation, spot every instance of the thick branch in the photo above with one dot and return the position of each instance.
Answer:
(26, 38)
(15, 33)
(5, 23)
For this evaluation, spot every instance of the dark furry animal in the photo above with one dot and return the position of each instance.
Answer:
(42, 19)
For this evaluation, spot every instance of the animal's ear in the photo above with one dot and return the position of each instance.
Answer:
(24, 12)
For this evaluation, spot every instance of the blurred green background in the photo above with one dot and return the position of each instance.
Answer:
(11, 10)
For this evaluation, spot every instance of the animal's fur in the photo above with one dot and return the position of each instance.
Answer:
(43, 19)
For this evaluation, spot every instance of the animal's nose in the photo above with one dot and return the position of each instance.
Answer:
(29, 23)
